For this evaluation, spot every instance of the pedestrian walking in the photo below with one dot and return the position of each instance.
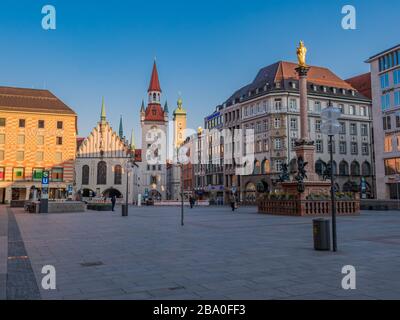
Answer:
(233, 202)
(113, 201)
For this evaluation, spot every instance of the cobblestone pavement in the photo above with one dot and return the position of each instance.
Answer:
(216, 255)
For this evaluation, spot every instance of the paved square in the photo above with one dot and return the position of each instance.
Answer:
(216, 255)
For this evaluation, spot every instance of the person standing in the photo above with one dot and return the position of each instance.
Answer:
(233, 202)
(191, 201)
(113, 201)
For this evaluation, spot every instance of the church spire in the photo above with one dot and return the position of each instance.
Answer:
(142, 107)
(121, 130)
(166, 107)
(103, 111)
(154, 82)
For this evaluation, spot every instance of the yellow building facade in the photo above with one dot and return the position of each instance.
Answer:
(37, 133)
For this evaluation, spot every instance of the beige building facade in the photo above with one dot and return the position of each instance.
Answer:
(37, 133)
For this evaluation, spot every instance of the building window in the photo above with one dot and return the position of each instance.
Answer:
(384, 80)
(59, 141)
(85, 175)
(101, 173)
(2, 173)
(341, 107)
(365, 149)
(20, 155)
(2, 122)
(117, 174)
(277, 123)
(21, 123)
(353, 129)
(59, 124)
(397, 98)
(2, 138)
(39, 156)
(293, 123)
(366, 169)
(37, 174)
(343, 168)
(278, 165)
(18, 174)
(1, 155)
(342, 128)
(317, 106)
(293, 104)
(57, 174)
(355, 168)
(385, 101)
(41, 124)
(352, 110)
(388, 144)
(278, 104)
(354, 148)
(363, 111)
(364, 129)
(277, 143)
(387, 125)
(21, 139)
(58, 157)
(317, 125)
(319, 146)
(40, 140)
(342, 147)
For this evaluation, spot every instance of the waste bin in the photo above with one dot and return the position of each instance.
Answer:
(322, 235)
(124, 210)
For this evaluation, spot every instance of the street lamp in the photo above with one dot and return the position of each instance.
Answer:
(130, 163)
(331, 126)
(182, 160)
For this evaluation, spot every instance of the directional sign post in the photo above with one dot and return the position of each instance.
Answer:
(44, 199)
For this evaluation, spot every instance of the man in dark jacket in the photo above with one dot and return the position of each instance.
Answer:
(113, 201)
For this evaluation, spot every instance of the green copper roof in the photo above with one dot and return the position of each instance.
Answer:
(121, 130)
(179, 109)
(103, 111)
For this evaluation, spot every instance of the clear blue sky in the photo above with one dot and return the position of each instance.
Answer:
(205, 49)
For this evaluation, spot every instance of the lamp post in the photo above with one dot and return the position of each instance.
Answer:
(130, 163)
(331, 126)
(182, 160)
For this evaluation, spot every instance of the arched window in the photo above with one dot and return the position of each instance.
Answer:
(85, 175)
(355, 168)
(257, 167)
(266, 167)
(366, 169)
(154, 97)
(117, 174)
(334, 167)
(343, 168)
(101, 173)
(319, 167)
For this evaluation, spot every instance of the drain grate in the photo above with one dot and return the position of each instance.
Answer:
(92, 264)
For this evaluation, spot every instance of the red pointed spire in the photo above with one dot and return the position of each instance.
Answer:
(154, 82)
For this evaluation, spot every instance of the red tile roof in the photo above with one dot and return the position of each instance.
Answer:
(154, 82)
(316, 75)
(362, 83)
(154, 112)
(31, 100)
(79, 142)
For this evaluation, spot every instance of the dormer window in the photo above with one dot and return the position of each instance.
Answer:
(353, 93)
(314, 87)
(277, 85)
(343, 91)
(293, 85)
(324, 89)
(334, 90)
